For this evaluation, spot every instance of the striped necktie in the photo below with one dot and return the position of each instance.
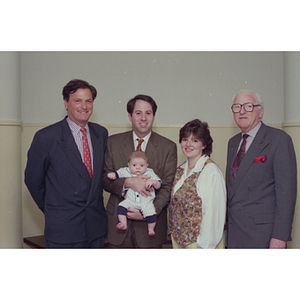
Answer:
(139, 146)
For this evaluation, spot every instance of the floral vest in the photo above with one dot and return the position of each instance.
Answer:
(185, 211)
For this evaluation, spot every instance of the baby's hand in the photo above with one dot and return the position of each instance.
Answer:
(149, 183)
(111, 175)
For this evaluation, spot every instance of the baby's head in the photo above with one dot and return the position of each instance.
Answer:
(138, 162)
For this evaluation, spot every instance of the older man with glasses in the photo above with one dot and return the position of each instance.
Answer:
(261, 179)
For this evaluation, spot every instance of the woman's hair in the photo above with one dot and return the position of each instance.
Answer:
(200, 131)
(138, 154)
(131, 103)
(72, 86)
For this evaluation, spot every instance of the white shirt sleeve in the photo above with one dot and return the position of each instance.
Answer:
(124, 173)
(211, 189)
(151, 173)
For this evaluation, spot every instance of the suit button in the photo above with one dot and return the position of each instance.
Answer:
(242, 207)
(249, 188)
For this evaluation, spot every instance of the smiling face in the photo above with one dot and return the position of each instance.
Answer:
(142, 118)
(80, 106)
(247, 120)
(192, 148)
(137, 166)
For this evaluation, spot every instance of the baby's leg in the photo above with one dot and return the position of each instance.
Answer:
(122, 222)
(122, 211)
(151, 224)
(151, 227)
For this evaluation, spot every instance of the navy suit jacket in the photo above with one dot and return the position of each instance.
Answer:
(261, 199)
(162, 158)
(61, 187)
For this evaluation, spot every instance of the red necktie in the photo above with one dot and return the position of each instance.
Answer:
(86, 152)
(239, 156)
(139, 146)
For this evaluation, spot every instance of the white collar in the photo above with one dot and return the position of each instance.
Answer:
(198, 166)
(146, 138)
(75, 128)
(254, 130)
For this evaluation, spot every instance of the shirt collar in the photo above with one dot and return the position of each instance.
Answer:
(198, 166)
(75, 128)
(254, 130)
(146, 138)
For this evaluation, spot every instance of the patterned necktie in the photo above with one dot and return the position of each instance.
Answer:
(86, 152)
(139, 146)
(239, 156)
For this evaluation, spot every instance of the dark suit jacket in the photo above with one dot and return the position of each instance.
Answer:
(261, 199)
(61, 187)
(162, 158)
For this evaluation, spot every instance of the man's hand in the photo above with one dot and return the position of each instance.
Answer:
(137, 184)
(277, 244)
(135, 214)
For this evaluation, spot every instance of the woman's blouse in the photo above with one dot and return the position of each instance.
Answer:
(211, 189)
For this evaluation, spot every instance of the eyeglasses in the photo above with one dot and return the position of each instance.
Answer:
(248, 107)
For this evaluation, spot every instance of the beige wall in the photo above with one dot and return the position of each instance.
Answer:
(293, 129)
(10, 185)
(185, 85)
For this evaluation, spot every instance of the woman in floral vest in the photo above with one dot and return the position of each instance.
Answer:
(198, 202)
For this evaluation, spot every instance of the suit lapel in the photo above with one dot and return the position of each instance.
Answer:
(151, 149)
(128, 146)
(97, 153)
(233, 151)
(71, 151)
(258, 144)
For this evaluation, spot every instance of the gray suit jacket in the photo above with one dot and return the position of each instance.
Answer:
(261, 199)
(162, 158)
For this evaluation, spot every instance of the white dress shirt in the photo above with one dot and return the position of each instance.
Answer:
(77, 134)
(252, 133)
(144, 143)
(211, 189)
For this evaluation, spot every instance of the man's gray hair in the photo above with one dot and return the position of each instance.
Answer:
(255, 95)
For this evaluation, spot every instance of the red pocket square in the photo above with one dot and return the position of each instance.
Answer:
(260, 159)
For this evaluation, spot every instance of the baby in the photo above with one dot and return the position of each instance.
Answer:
(137, 166)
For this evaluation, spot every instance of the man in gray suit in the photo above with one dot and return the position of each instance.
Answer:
(162, 158)
(261, 179)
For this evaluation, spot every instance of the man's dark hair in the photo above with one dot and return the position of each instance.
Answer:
(72, 86)
(131, 103)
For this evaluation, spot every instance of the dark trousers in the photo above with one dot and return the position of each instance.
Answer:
(95, 244)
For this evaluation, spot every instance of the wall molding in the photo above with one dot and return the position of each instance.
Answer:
(290, 124)
(155, 125)
(10, 123)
